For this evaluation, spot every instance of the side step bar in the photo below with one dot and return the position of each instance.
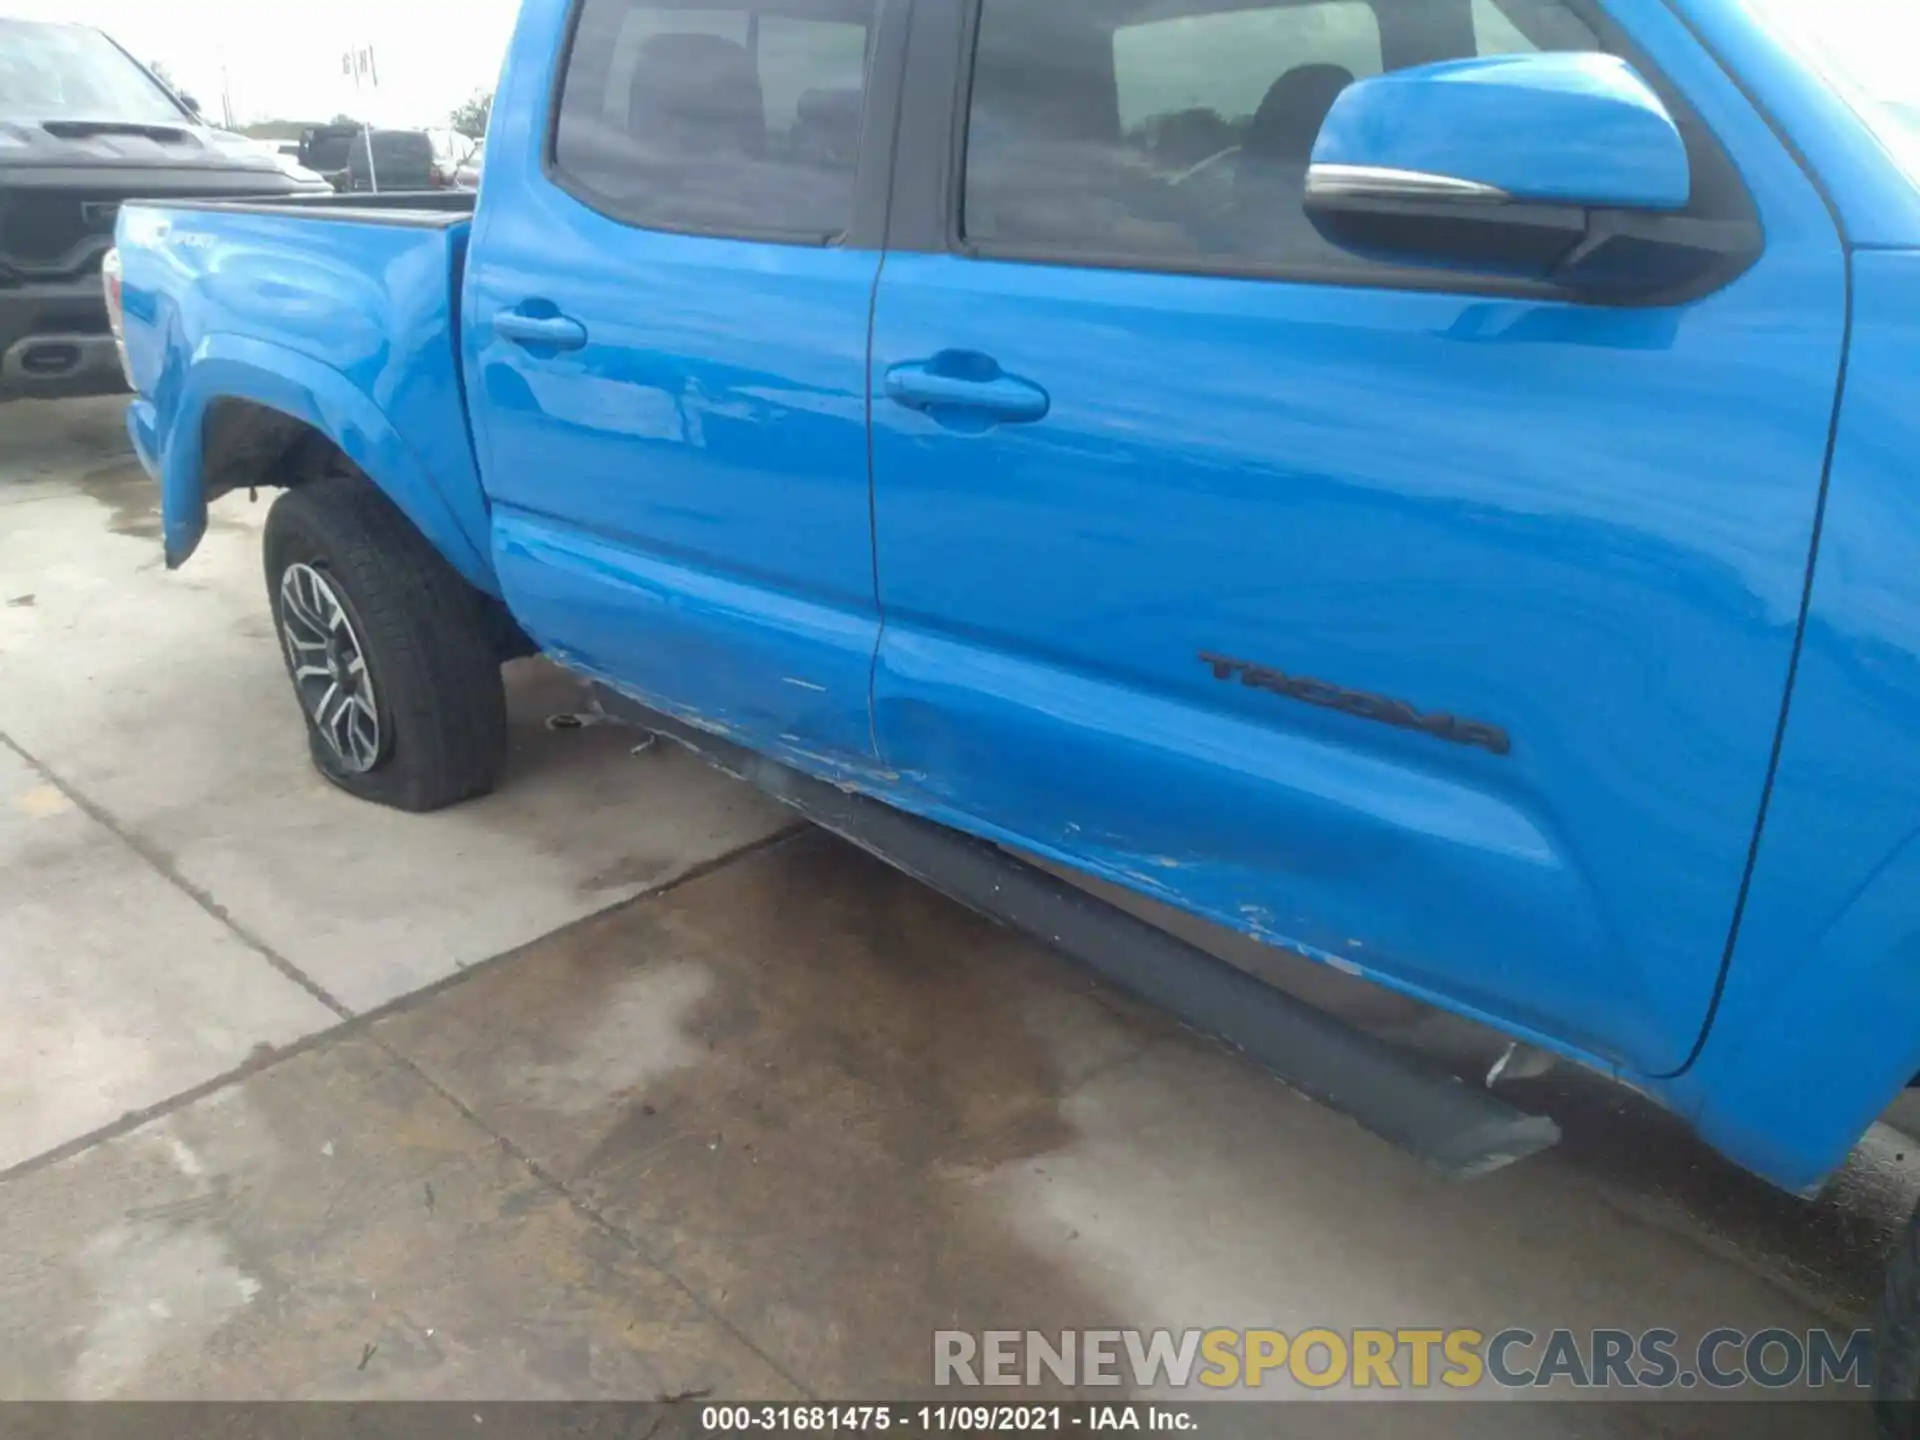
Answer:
(1459, 1129)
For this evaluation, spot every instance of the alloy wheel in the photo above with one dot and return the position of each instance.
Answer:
(329, 668)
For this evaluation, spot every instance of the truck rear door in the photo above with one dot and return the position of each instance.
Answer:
(667, 309)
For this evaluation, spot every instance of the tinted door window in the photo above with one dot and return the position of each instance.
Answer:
(717, 118)
(1495, 34)
(1221, 65)
(1185, 137)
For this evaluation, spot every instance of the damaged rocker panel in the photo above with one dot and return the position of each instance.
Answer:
(1460, 1130)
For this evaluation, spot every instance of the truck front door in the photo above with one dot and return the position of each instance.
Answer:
(1426, 623)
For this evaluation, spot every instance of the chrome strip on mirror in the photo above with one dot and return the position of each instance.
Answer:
(1379, 182)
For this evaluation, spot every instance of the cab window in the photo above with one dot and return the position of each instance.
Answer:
(1180, 132)
(714, 118)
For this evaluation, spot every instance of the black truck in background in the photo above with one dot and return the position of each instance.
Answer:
(83, 127)
(354, 159)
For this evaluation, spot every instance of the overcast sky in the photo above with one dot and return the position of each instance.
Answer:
(283, 56)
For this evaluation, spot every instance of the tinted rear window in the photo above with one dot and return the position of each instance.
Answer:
(716, 116)
(330, 154)
(411, 147)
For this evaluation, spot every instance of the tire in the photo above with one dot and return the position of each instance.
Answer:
(391, 653)
(1896, 1342)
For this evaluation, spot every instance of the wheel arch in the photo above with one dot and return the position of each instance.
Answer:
(251, 413)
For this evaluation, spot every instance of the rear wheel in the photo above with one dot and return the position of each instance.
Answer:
(392, 654)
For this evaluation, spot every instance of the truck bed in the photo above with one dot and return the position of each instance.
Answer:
(247, 322)
(433, 209)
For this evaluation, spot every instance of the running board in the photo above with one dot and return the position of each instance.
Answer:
(1459, 1129)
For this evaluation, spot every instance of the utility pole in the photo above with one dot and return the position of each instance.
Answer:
(360, 65)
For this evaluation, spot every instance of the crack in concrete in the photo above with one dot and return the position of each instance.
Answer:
(266, 1057)
(162, 863)
(588, 1212)
(262, 1060)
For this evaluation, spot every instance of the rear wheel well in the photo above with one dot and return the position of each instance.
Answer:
(246, 445)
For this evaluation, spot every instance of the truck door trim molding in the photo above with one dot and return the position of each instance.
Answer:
(1362, 705)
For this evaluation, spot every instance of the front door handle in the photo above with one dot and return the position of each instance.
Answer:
(551, 332)
(963, 381)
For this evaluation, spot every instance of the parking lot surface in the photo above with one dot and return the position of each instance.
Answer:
(623, 1084)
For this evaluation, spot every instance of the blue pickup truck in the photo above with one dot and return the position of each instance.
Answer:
(1433, 485)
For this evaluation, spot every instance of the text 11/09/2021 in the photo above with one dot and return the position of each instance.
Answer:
(947, 1419)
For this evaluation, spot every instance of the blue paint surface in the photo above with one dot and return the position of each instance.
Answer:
(1820, 1023)
(347, 327)
(1579, 129)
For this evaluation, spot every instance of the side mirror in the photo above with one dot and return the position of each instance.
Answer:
(191, 103)
(1562, 167)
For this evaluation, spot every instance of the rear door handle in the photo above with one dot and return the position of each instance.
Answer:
(553, 332)
(966, 382)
